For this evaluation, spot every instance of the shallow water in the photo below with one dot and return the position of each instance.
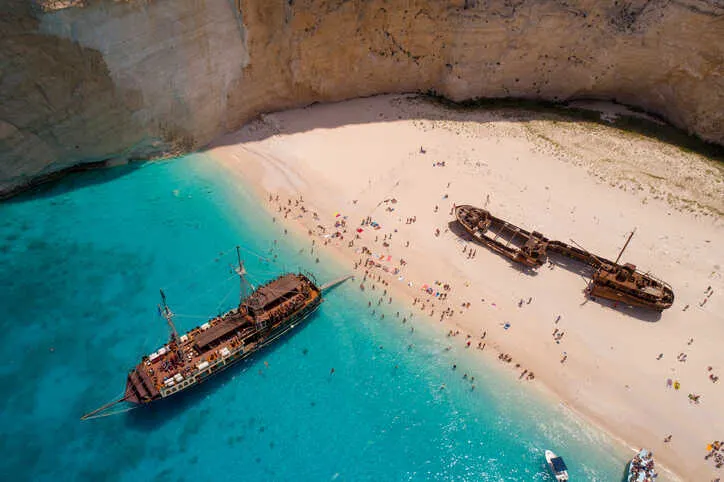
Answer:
(81, 263)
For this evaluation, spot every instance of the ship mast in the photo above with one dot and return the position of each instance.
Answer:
(243, 283)
(168, 315)
(625, 245)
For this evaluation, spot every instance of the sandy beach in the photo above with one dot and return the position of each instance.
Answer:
(403, 162)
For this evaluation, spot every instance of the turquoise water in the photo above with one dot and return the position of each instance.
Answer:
(81, 263)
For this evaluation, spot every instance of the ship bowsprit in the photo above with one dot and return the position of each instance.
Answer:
(268, 313)
(335, 282)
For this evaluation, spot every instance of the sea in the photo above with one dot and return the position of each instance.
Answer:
(350, 396)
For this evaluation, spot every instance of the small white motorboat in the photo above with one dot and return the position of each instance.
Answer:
(557, 466)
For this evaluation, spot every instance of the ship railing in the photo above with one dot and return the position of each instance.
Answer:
(310, 275)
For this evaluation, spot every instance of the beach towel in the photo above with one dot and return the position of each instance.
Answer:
(389, 258)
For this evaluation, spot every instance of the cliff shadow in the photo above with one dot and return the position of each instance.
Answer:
(63, 181)
(430, 106)
(425, 106)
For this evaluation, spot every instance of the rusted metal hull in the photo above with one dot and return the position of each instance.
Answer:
(612, 281)
(616, 294)
(624, 284)
(502, 237)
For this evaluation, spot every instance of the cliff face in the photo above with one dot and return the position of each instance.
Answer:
(86, 80)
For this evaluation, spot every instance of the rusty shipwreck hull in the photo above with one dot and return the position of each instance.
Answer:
(519, 245)
(612, 281)
(625, 284)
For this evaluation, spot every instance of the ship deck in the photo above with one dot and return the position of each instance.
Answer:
(610, 280)
(503, 237)
(239, 330)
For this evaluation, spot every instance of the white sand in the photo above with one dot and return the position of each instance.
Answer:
(566, 179)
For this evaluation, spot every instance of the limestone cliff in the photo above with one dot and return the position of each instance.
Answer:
(85, 80)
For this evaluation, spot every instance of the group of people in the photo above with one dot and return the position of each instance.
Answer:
(505, 357)
(712, 377)
(525, 374)
(470, 252)
(441, 294)
(521, 301)
(715, 451)
(558, 335)
(642, 466)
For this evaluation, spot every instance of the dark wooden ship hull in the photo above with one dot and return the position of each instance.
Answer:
(519, 245)
(223, 342)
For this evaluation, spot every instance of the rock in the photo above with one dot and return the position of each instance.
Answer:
(92, 80)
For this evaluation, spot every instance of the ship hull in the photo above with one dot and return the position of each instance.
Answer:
(284, 328)
(602, 291)
(611, 281)
(270, 312)
(502, 237)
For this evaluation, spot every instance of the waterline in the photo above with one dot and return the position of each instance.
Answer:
(81, 265)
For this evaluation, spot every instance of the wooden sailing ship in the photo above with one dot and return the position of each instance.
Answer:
(262, 317)
(610, 280)
(527, 248)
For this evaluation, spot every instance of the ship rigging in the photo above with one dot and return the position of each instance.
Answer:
(263, 315)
